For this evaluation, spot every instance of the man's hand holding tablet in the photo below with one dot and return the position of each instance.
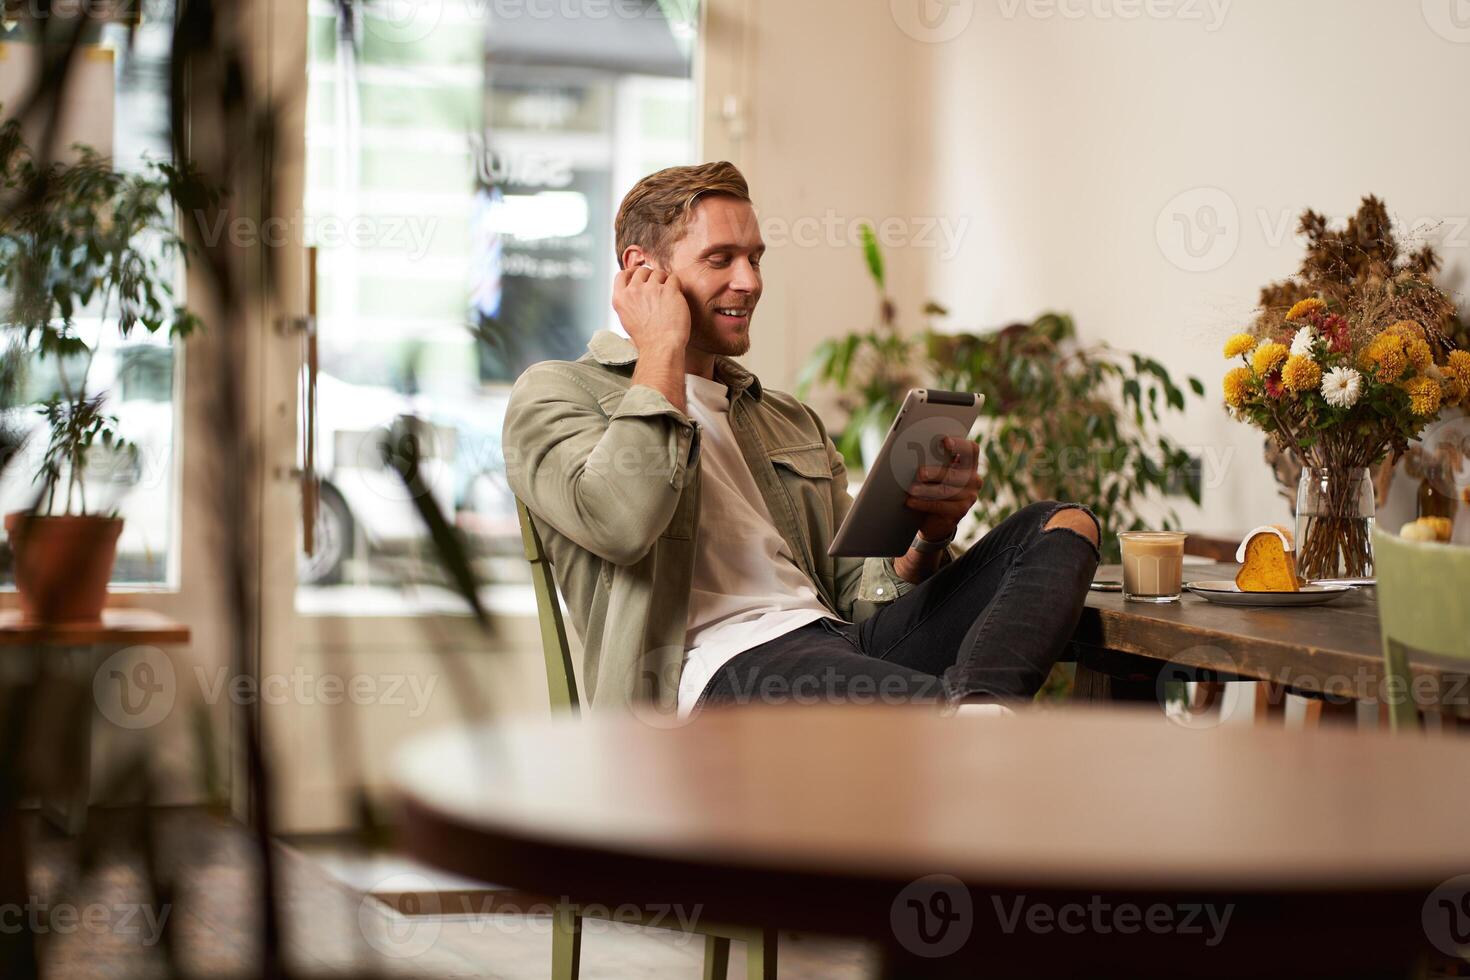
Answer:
(945, 494)
(925, 479)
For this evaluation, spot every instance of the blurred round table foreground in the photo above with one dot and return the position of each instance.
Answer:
(1048, 843)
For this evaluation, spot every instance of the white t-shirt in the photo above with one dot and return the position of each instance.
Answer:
(747, 589)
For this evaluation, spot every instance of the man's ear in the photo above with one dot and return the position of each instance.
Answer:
(634, 256)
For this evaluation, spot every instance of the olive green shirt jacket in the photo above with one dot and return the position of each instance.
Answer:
(610, 473)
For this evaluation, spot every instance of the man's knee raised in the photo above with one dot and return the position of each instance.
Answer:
(1078, 520)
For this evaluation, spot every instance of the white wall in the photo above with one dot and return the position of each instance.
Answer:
(1073, 141)
(828, 95)
(1068, 139)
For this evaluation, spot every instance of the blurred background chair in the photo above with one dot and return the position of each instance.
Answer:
(1423, 612)
(561, 683)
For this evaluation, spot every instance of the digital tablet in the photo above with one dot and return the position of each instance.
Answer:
(880, 525)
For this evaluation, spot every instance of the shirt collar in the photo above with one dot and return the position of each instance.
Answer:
(611, 350)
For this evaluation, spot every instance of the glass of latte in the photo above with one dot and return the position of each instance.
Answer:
(1153, 565)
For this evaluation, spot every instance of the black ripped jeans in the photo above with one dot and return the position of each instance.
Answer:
(986, 627)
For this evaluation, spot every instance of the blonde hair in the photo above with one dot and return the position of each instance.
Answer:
(656, 211)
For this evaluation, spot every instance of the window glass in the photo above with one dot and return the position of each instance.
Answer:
(465, 160)
(136, 375)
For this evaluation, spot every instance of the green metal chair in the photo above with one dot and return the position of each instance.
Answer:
(1422, 611)
(561, 684)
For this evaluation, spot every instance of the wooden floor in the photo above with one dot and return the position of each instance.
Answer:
(95, 924)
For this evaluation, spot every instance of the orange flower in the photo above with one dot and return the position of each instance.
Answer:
(1458, 366)
(1406, 329)
(1237, 386)
(1310, 305)
(1424, 396)
(1301, 373)
(1418, 353)
(1269, 357)
(1241, 343)
(1384, 356)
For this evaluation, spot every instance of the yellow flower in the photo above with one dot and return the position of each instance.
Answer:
(1451, 390)
(1458, 366)
(1236, 386)
(1241, 343)
(1306, 306)
(1301, 373)
(1424, 396)
(1390, 367)
(1418, 353)
(1269, 357)
(1381, 342)
(1384, 355)
(1405, 329)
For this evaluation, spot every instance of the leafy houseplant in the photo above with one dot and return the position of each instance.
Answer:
(1062, 420)
(78, 237)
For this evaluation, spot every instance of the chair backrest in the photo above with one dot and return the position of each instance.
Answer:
(561, 681)
(1422, 608)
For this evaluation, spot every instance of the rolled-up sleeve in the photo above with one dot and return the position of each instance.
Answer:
(643, 402)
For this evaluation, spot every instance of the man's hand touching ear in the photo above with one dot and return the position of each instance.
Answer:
(653, 310)
(655, 313)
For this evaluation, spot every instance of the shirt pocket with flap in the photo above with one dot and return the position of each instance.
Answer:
(805, 473)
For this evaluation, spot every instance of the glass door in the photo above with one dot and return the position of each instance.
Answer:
(463, 164)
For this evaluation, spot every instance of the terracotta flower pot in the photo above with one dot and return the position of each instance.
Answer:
(62, 565)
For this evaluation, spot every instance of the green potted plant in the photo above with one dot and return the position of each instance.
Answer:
(78, 238)
(1061, 420)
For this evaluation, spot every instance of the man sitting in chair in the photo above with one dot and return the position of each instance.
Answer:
(688, 510)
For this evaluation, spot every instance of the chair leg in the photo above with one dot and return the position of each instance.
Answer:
(1403, 713)
(566, 943)
(1270, 703)
(760, 956)
(716, 957)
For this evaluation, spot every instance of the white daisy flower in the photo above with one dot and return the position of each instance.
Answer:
(1301, 344)
(1342, 386)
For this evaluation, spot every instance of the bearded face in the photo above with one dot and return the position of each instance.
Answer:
(718, 266)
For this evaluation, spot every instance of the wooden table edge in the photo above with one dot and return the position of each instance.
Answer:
(430, 834)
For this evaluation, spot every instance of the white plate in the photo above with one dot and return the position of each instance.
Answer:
(1225, 591)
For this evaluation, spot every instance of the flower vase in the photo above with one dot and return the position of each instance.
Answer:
(1334, 523)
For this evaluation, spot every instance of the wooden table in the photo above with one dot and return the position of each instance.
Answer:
(118, 627)
(1334, 649)
(1324, 846)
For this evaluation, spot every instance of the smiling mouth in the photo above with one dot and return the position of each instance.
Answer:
(734, 312)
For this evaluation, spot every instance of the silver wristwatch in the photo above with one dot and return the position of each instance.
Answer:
(924, 546)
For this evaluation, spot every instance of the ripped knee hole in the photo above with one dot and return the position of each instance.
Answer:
(1075, 519)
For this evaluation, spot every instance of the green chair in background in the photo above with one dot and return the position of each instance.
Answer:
(561, 683)
(1423, 611)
